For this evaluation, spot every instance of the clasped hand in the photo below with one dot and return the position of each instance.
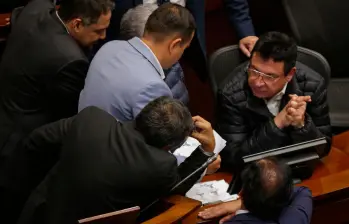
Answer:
(293, 113)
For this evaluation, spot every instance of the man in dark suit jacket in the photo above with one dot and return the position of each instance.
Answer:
(105, 165)
(43, 69)
(239, 16)
(267, 197)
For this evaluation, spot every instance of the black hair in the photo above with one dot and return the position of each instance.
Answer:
(279, 47)
(170, 19)
(266, 188)
(88, 10)
(165, 122)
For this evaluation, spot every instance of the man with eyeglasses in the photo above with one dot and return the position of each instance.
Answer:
(271, 101)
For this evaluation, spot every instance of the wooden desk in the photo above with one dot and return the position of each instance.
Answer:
(3, 26)
(329, 184)
(3, 18)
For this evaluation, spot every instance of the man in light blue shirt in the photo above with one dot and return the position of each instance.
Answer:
(125, 75)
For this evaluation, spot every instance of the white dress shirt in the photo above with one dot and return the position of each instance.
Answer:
(274, 103)
(179, 2)
(241, 211)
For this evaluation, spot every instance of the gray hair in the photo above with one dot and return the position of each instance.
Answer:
(134, 20)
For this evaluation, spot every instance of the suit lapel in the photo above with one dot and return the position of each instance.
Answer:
(144, 50)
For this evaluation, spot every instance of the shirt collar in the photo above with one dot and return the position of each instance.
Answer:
(241, 211)
(162, 74)
(279, 95)
(147, 53)
(60, 20)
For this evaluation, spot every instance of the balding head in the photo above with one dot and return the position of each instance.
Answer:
(267, 187)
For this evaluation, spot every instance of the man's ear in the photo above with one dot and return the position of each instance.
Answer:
(175, 43)
(76, 25)
(290, 74)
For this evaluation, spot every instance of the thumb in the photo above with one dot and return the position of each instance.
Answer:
(226, 218)
(245, 50)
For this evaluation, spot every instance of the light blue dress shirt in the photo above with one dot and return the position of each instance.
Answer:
(124, 76)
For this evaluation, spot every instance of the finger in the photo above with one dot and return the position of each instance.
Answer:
(198, 136)
(226, 218)
(291, 111)
(297, 105)
(204, 125)
(289, 118)
(198, 118)
(245, 50)
(210, 213)
(293, 103)
(300, 98)
(304, 98)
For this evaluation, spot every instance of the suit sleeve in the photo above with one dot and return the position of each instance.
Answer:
(37, 155)
(148, 94)
(233, 126)
(178, 173)
(64, 89)
(49, 135)
(317, 121)
(300, 209)
(239, 16)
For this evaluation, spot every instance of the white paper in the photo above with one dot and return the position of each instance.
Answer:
(191, 144)
(211, 192)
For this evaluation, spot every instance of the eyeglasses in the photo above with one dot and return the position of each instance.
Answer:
(253, 73)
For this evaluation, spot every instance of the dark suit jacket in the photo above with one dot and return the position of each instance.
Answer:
(239, 16)
(104, 166)
(298, 212)
(41, 75)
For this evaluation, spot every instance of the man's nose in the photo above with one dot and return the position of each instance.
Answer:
(259, 82)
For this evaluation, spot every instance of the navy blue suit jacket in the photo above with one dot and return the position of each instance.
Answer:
(298, 212)
(239, 16)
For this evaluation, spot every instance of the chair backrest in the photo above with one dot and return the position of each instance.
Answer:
(322, 25)
(15, 13)
(315, 61)
(128, 215)
(222, 62)
(226, 59)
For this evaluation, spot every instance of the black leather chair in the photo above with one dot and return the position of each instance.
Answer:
(322, 25)
(221, 63)
(226, 59)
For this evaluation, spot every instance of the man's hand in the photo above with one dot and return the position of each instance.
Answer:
(293, 113)
(282, 119)
(297, 108)
(246, 44)
(220, 210)
(204, 133)
(213, 167)
(7, 21)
